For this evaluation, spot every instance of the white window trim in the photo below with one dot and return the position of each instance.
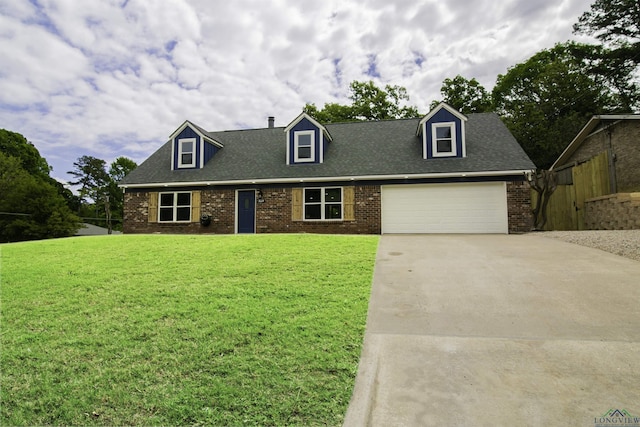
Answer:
(434, 141)
(322, 204)
(296, 145)
(193, 154)
(175, 206)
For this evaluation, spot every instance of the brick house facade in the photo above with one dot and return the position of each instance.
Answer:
(272, 216)
(275, 216)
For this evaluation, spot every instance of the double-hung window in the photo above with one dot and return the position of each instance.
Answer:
(187, 153)
(174, 207)
(323, 203)
(443, 139)
(304, 146)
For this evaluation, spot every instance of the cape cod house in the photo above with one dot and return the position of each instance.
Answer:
(443, 173)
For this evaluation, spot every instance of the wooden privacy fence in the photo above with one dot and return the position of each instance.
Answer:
(565, 210)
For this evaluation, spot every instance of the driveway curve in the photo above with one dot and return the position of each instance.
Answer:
(489, 330)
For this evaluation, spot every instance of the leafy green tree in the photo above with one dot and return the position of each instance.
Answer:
(466, 96)
(34, 205)
(31, 207)
(92, 177)
(119, 168)
(73, 201)
(616, 23)
(616, 70)
(547, 99)
(15, 145)
(331, 113)
(368, 102)
(99, 189)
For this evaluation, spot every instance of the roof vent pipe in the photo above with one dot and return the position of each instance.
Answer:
(272, 121)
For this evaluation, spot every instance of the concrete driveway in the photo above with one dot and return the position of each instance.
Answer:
(493, 330)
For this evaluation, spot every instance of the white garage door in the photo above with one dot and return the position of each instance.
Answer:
(479, 207)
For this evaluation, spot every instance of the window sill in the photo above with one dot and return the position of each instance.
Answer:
(173, 222)
(322, 221)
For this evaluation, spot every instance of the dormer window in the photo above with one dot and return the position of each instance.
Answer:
(304, 150)
(192, 147)
(444, 139)
(307, 141)
(186, 153)
(442, 132)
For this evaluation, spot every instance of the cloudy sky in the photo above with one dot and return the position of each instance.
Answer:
(113, 78)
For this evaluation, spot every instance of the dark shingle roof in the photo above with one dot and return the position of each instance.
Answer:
(358, 149)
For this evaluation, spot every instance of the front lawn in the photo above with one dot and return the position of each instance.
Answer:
(182, 330)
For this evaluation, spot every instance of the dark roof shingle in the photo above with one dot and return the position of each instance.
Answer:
(358, 149)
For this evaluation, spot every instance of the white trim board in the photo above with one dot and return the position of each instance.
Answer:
(523, 172)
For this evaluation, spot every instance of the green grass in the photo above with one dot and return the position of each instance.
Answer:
(182, 330)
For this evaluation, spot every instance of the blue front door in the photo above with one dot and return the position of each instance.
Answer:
(246, 211)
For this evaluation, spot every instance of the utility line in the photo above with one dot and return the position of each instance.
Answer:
(83, 218)
(14, 213)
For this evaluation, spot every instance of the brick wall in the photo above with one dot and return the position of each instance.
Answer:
(619, 211)
(272, 216)
(626, 147)
(220, 204)
(519, 207)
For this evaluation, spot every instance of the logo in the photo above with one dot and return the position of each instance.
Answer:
(617, 417)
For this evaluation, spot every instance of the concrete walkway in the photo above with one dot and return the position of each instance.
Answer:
(496, 330)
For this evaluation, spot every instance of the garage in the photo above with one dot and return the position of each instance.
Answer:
(477, 207)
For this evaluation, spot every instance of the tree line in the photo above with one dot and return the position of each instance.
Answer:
(101, 200)
(33, 205)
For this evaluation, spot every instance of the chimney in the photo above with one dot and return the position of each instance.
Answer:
(271, 122)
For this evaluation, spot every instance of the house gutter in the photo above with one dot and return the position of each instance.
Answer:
(328, 179)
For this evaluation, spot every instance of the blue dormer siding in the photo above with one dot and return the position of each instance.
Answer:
(203, 150)
(444, 116)
(318, 145)
(209, 151)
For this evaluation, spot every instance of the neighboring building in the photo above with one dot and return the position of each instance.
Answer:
(616, 135)
(599, 177)
(444, 173)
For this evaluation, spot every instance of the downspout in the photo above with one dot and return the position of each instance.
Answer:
(611, 156)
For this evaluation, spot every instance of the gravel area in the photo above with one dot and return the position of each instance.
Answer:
(625, 243)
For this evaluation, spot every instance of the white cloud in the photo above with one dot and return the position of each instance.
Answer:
(116, 77)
